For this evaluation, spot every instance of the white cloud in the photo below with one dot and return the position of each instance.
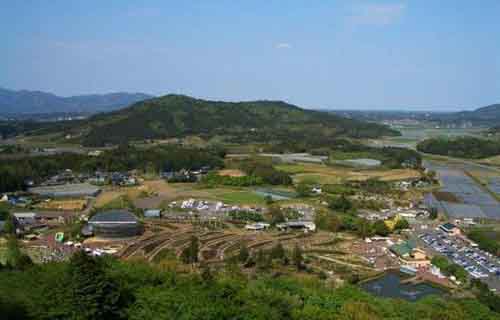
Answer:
(283, 45)
(377, 14)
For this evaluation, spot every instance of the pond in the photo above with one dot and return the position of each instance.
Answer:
(390, 286)
(275, 194)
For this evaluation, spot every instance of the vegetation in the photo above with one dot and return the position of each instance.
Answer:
(461, 147)
(103, 288)
(449, 268)
(14, 173)
(257, 121)
(213, 179)
(487, 239)
(246, 216)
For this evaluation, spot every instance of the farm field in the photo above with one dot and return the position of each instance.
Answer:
(66, 205)
(411, 135)
(322, 174)
(156, 193)
(474, 199)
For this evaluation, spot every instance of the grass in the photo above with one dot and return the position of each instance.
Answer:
(242, 197)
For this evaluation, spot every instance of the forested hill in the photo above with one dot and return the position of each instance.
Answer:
(461, 147)
(38, 102)
(178, 116)
(489, 116)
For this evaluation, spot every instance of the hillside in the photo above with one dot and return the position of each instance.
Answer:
(489, 116)
(38, 102)
(461, 147)
(254, 121)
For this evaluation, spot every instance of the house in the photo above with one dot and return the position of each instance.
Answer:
(450, 229)
(410, 255)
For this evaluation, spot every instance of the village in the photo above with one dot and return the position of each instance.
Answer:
(62, 215)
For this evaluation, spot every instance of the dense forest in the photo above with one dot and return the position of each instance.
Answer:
(256, 121)
(461, 147)
(104, 288)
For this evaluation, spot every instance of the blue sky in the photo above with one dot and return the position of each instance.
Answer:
(420, 54)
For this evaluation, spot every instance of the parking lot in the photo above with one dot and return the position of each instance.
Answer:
(478, 263)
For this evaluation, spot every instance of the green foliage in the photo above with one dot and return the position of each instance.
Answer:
(257, 121)
(13, 173)
(303, 189)
(213, 179)
(485, 296)
(433, 214)
(190, 254)
(449, 268)
(243, 254)
(401, 224)
(461, 147)
(94, 296)
(488, 240)
(246, 216)
(342, 204)
(297, 257)
(112, 289)
(381, 229)
(265, 171)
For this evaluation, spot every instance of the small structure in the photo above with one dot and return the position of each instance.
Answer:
(410, 255)
(450, 229)
(74, 190)
(115, 224)
(258, 226)
(152, 213)
(25, 216)
(297, 225)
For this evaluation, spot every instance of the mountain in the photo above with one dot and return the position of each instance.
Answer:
(38, 102)
(488, 116)
(239, 122)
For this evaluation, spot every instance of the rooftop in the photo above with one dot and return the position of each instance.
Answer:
(114, 216)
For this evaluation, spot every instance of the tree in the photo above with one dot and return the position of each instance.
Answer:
(190, 254)
(262, 260)
(276, 214)
(243, 255)
(298, 259)
(15, 258)
(278, 252)
(342, 204)
(303, 190)
(363, 228)
(401, 224)
(94, 295)
(433, 214)
(381, 228)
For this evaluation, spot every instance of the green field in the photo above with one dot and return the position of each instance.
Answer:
(241, 197)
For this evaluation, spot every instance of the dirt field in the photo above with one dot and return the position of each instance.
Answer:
(66, 205)
(231, 173)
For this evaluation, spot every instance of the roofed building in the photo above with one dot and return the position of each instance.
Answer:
(115, 224)
(450, 229)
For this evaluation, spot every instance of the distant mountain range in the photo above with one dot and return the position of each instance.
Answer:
(38, 102)
(489, 115)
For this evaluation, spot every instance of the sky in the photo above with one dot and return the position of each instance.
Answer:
(401, 55)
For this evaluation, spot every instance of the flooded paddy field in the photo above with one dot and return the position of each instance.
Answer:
(472, 199)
